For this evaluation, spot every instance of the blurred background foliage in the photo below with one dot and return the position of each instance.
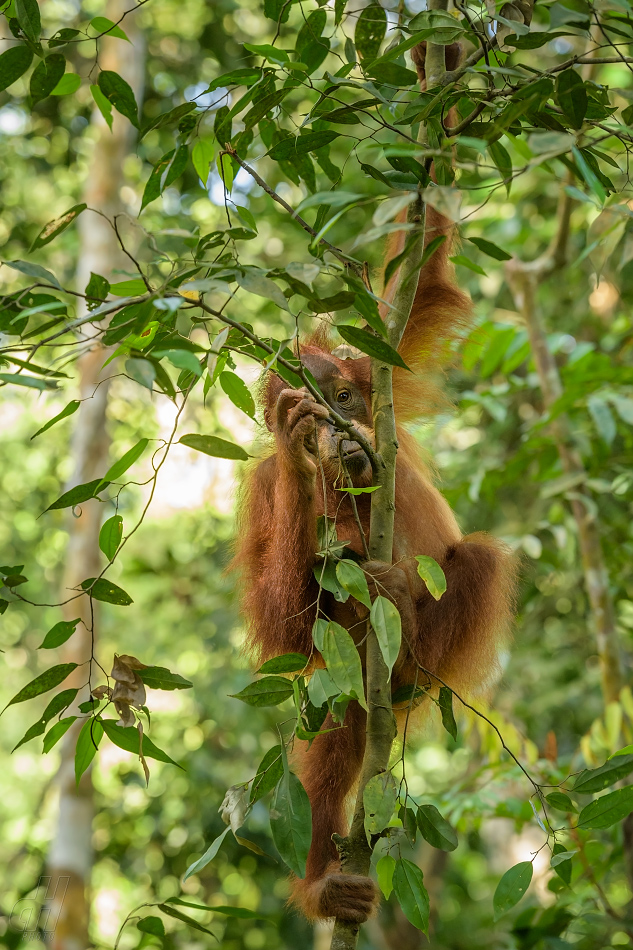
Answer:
(498, 467)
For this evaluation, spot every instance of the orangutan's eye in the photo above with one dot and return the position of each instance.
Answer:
(343, 397)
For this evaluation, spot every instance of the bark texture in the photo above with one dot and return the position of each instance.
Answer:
(70, 857)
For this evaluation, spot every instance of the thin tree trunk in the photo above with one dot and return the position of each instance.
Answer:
(70, 857)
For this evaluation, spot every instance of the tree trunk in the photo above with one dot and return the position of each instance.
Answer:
(70, 856)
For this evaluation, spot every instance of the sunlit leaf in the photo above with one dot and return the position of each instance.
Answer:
(269, 772)
(372, 345)
(385, 867)
(287, 663)
(158, 677)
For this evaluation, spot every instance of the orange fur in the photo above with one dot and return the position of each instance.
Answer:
(456, 638)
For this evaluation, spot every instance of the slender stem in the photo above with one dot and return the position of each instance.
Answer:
(355, 850)
(354, 265)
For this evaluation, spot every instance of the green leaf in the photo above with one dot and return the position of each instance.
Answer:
(289, 148)
(56, 705)
(87, 744)
(78, 494)
(435, 829)
(353, 580)
(385, 620)
(562, 868)
(408, 885)
(45, 77)
(270, 691)
(33, 732)
(562, 856)
(368, 307)
(445, 701)
(241, 912)
(607, 810)
(512, 887)
(142, 372)
(50, 231)
(31, 382)
(343, 662)
(42, 683)
(432, 575)
(128, 288)
(56, 732)
(291, 822)
(465, 262)
(149, 925)
(262, 286)
(126, 461)
(58, 634)
(487, 247)
(589, 175)
(25, 267)
(158, 677)
(269, 772)
(379, 800)
(288, 663)
(602, 418)
(385, 867)
(68, 410)
(271, 53)
(68, 84)
(207, 857)
(185, 919)
(370, 32)
(127, 738)
(372, 345)
(110, 536)
(102, 25)
(202, 156)
(571, 96)
(321, 688)
(14, 62)
(27, 13)
(238, 392)
(594, 780)
(119, 93)
(561, 802)
(106, 591)
(214, 446)
(103, 105)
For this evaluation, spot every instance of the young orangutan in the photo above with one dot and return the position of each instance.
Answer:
(456, 637)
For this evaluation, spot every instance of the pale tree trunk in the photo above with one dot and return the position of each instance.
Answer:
(70, 857)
